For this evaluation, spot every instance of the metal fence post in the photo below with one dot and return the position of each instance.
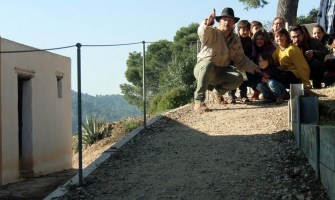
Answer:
(198, 48)
(79, 115)
(144, 93)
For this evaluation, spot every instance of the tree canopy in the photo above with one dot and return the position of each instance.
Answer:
(168, 65)
(311, 17)
(286, 8)
(254, 3)
(108, 108)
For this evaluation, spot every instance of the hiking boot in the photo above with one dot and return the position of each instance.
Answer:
(216, 97)
(256, 95)
(200, 107)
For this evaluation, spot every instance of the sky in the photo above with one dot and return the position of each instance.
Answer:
(47, 24)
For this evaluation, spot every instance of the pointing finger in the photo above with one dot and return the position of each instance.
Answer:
(214, 11)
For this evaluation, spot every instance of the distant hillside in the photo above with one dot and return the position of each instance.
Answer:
(108, 108)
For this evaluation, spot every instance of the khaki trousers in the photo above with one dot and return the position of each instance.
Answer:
(223, 78)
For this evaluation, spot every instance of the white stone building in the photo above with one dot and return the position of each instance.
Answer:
(35, 107)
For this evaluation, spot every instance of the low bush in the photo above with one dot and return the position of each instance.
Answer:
(154, 103)
(131, 124)
(172, 99)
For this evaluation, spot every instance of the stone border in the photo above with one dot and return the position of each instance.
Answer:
(316, 141)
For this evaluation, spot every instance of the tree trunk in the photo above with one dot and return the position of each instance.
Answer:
(288, 10)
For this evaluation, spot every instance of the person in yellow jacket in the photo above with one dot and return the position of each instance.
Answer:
(219, 46)
(290, 60)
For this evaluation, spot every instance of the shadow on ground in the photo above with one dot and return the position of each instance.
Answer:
(170, 160)
(36, 188)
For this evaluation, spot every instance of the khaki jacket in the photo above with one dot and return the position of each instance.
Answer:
(221, 51)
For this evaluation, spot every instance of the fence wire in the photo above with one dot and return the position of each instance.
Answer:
(35, 50)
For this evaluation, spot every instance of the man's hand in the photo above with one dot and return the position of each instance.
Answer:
(257, 70)
(211, 18)
(309, 54)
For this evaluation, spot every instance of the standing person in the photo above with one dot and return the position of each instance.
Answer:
(271, 80)
(325, 16)
(219, 47)
(255, 26)
(261, 42)
(314, 52)
(243, 30)
(289, 59)
(320, 34)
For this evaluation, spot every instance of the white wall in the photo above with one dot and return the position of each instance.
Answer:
(310, 28)
(50, 116)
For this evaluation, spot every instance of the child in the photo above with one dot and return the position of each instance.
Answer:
(270, 80)
(243, 28)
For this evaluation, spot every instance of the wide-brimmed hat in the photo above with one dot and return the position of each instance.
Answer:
(227, 12)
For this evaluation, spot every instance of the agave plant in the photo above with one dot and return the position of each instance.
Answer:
(94, 130)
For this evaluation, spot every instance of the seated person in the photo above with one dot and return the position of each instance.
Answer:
(271, 80)
(261, 42)
(330, 66)
(320, 34)
(314, 52)
(255, 26)
(289, 59)
(277, 23)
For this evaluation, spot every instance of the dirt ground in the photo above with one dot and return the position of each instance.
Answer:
(240, 151)
(36, 188)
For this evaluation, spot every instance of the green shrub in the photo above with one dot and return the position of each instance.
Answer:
(173, 99)
(131, 124)
(154, 103)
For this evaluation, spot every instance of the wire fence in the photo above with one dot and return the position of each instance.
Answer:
(78, 45)
(93, 45)
(36, 50)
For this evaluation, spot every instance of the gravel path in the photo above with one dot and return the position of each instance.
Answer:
(232, 152)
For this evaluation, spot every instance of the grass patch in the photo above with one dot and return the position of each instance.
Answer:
(131, 124)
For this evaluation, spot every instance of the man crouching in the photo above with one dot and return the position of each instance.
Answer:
(219, 47)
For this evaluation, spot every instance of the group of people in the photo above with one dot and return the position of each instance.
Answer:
(268, 62)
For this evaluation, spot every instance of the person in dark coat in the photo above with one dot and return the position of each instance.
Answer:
(270, 79)
(330, 66)
(314, 52)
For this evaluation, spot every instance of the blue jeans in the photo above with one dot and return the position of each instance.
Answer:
(272, 89)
